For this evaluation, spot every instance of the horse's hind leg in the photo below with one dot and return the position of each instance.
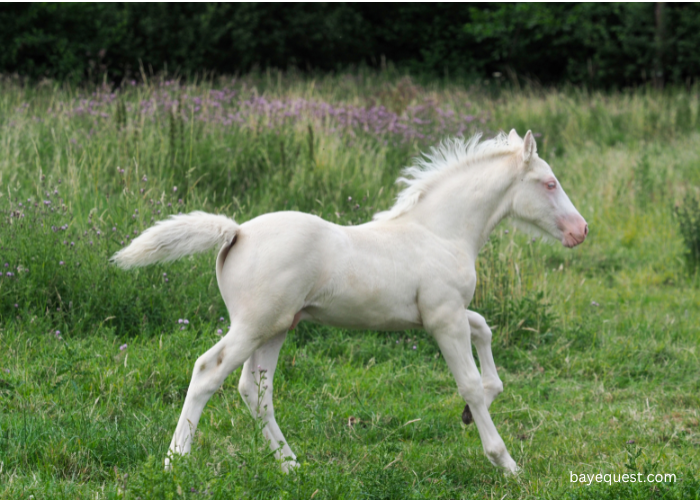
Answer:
(210, 370)
(256, 388)
(481, 338)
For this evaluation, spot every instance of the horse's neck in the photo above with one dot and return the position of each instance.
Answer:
(466, 206)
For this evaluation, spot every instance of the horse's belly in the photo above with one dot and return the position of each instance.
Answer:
(365, 312)
(359, 322)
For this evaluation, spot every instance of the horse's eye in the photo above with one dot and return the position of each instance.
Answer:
(551, 185)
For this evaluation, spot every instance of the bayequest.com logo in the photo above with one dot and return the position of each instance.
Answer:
(589, 479)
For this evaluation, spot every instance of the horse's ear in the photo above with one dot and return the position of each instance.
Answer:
(513, 137)
(529, 147)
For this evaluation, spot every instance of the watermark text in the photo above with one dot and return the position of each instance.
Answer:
(639, 477)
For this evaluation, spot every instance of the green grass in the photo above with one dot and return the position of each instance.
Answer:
(597, 346)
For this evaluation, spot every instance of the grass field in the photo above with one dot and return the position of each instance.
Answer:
(597, 346)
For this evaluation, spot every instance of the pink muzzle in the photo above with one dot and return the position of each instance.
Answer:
(574, 228)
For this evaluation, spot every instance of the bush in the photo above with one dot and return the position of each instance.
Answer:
(56, 269)
(688, 216)
(518, 313)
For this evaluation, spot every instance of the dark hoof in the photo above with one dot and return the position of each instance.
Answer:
(467, 415)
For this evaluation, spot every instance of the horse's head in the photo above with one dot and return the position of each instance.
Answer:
(539, 201)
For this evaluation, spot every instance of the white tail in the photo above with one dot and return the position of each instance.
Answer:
(176, 237)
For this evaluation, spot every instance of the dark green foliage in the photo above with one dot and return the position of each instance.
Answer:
(609, 44)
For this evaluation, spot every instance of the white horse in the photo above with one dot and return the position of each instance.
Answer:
(411, 267)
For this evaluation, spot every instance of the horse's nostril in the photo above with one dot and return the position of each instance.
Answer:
(585, 230)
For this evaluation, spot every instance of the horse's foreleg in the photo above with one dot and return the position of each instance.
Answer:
(210, 370)
(256, 388)
(481, 335)
(454, 338)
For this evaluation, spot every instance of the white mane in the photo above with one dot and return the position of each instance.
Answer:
(452, 154)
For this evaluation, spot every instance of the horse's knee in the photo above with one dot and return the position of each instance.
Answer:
(491, 391)
(479, 328)
(494, 387)
(471, 390)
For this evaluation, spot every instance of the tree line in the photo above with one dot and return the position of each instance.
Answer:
(608, 45)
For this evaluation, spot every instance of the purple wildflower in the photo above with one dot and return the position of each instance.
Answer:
(123, 346)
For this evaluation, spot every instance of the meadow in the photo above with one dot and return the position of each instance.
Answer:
(597, 346)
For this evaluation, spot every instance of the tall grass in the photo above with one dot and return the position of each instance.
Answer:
(597, 346)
